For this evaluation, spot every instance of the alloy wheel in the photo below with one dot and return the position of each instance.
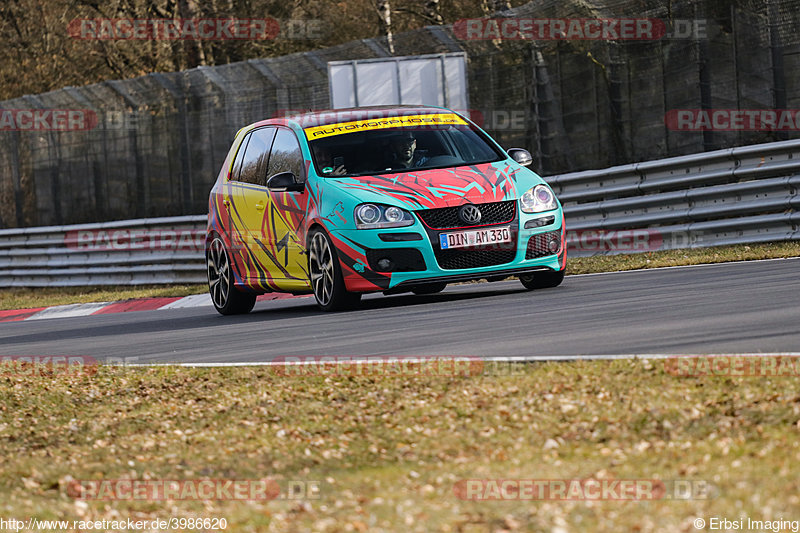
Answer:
(219, 273)
(322, 268)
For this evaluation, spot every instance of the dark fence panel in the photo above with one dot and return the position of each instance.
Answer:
(160, 139)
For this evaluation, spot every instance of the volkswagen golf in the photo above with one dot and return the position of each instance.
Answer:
(382, 199)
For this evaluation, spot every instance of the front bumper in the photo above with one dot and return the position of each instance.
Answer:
(416, 257)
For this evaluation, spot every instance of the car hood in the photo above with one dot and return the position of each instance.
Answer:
(445, 187)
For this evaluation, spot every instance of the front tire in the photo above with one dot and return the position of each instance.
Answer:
(226, 298)
(326, 275)
(542, 280)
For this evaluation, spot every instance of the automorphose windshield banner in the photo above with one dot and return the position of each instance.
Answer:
(437, 119)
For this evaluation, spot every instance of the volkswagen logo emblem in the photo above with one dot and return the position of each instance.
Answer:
(470, 214)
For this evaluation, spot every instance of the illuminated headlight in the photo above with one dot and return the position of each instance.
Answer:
(538, 199)
(371, 216)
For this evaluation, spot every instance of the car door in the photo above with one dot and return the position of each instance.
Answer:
(236, 231)
(287, 210)
(248, 210)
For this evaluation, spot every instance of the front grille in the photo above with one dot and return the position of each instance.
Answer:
(537, 245)
(447, 217)
(458, 259)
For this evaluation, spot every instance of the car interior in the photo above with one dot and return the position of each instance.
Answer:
(371, 152)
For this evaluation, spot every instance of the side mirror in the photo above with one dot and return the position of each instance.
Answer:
(521, 156)
(285, 181)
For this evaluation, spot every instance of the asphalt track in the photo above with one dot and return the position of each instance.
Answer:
(750, 307)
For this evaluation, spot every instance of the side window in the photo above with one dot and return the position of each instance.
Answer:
(237, 164)
(255, 156)
(286, 155)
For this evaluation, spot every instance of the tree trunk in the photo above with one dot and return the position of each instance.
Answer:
(490, 7)
(193, 50)
(385, 12)
(433, 10)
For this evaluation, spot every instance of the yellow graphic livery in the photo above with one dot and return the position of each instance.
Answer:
(319, 132)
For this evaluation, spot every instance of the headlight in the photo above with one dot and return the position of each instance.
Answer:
(372, 216)
(368, 214)
(393, 214)
(538, 199)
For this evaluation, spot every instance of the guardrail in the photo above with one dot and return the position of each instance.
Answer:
(126, 252)
(734, 196)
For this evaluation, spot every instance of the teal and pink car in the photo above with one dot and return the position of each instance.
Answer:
(383, 199)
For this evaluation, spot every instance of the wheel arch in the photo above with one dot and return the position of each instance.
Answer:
(210, 236)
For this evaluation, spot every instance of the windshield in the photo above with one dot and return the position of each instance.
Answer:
(377, 149)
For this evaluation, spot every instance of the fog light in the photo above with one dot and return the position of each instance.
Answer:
(385, 265)
(553, 245)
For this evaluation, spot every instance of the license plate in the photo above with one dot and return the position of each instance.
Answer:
(478, 237)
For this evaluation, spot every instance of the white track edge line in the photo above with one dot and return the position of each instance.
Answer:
(684, 266)
(499, 359)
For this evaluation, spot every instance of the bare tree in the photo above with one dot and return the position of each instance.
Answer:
(40, 53)
(193, 50)
(385, 13)
(490, 7)
(430, 11)
(433, 10)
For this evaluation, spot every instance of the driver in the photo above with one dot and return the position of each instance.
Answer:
(328, 162)
(403, 151)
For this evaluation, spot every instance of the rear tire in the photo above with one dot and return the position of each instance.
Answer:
(542, 280)
(326, 275)
(227, 299)
(429, 288)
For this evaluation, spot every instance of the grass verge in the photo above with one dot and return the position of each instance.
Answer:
(694, 256)
(43, 297)
(386, 452)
